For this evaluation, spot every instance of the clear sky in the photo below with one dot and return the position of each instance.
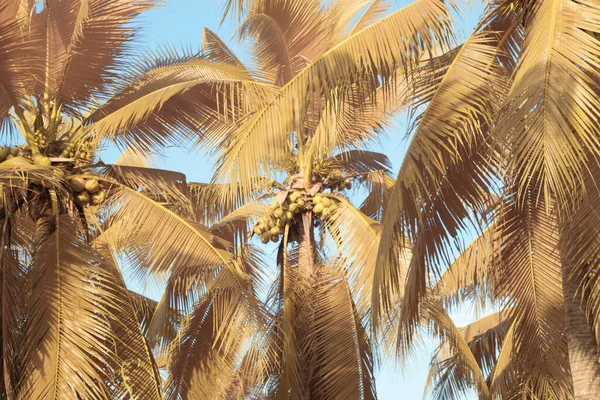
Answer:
(179, 23)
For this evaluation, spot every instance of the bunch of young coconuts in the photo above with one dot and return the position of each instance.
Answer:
(88, 191)
(8, 153)
(271, 224)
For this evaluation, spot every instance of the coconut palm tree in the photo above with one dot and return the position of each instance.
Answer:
(337, 71)
(68, 323)
(259, 337)
(513, 110)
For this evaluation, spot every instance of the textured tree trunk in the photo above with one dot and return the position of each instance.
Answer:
(306, 273)
(583, 352)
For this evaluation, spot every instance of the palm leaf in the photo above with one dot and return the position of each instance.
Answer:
(549, 128)
(345, 363)
(167, 99)
(530, 279)
(265, 133)
(446, 167)
(67, 339)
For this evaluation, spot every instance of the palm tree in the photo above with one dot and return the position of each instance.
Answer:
(68, 323)
(335, 72)
(513, 110)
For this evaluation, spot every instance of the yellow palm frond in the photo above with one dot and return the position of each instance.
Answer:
(174, 97)
(210, 339)
(212, 202)
(215, 50)
(375, 10)
(353, 119)
(344, 364)
(84, 40)
(447, 166)
(136, 371)
(176, 243)
(67, 340)
(264, 135)
(471, 275)
(356, 237)
(548, 121)
(530, 277)
(285, 36)
(461, 372)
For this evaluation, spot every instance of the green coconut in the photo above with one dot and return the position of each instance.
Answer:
(289, 215)
(317, 199)
(274, 238)
(275, 230)
(326, 212)
(77, 184)
(300, 202)
(319, 208)
(294, 208)
(83, 198)
(295, 196)
(4, 152)
(40, 159)
(15, 151)
(265, 239)
(92, 186)
(326, 202)
(258, 230)
(278, 213)
(98, 198)
(274, 205)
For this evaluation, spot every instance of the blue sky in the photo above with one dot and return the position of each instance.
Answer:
(179, 23)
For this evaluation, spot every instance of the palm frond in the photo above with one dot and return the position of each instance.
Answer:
(210, 340)
(264, 135)
(376, 10)
(461, 372)
(175, 242)
(136, 371)
(166, 100)
(356, 237)
(530, 279)
(344, 362)
(549, 128)
(471, 275)
(67, 338)
(447, 167)
(85, 41)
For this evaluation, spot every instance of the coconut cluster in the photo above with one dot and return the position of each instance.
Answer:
(40, 139)
(336, 181)
(322, 205)
(6, 153)
(84, 151)
(87, 191)
(271, 224)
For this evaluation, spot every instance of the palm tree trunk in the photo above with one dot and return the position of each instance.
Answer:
(306, 273)
(583, 351)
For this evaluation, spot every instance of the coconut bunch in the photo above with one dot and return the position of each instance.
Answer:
(322, 205)
(9, 153)
(83, 152)
(336, 181)
(40, 139)
(88, 191)
(276, 216)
